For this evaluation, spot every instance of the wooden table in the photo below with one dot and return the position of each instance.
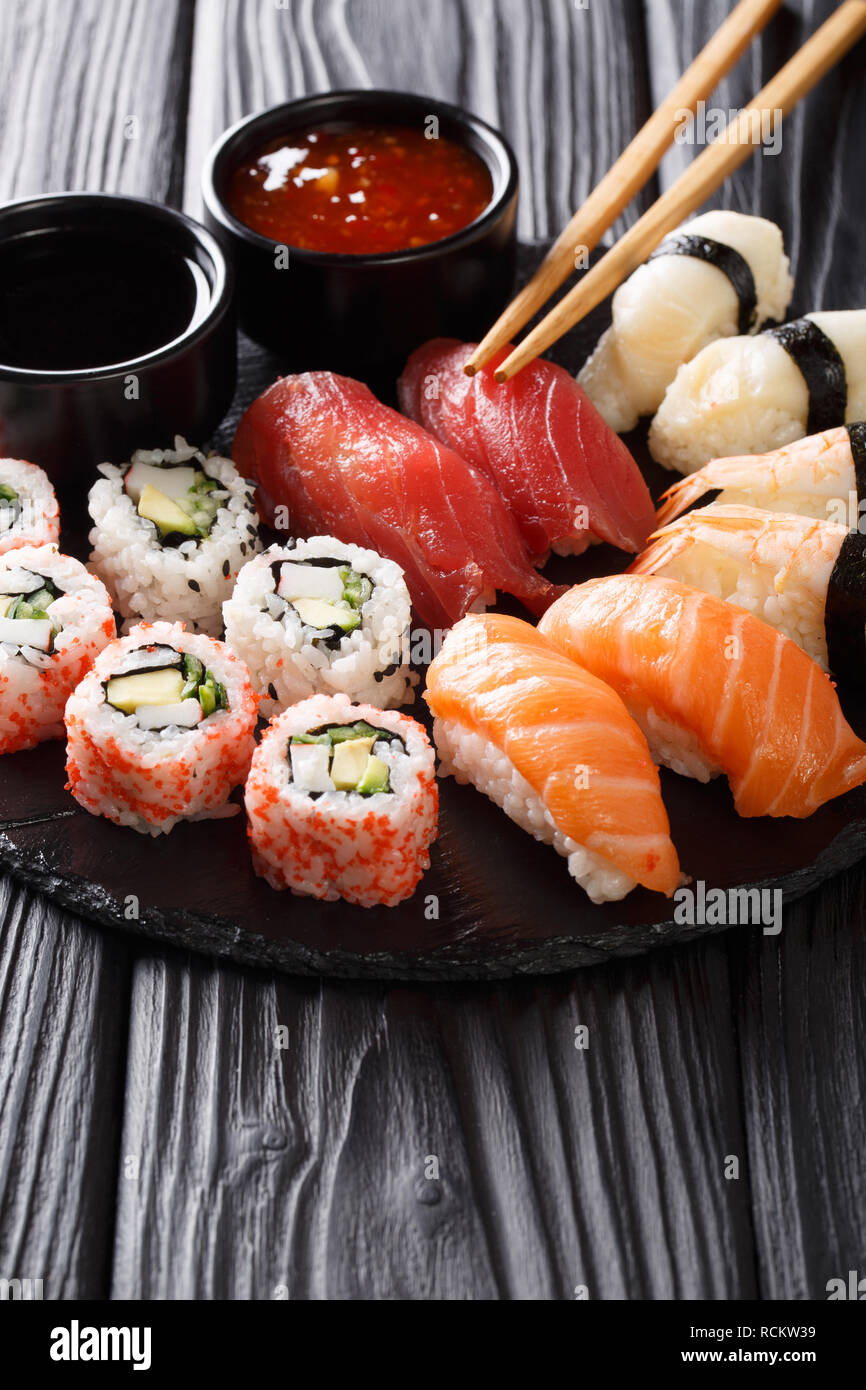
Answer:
(156, 1140)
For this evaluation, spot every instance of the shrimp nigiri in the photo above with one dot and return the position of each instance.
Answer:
(823, 475)
(715, 690)
(806, 578)
(555, 748)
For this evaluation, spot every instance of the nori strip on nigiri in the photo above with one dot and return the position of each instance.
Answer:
(845, 610)
(822, 368)
(726, 259)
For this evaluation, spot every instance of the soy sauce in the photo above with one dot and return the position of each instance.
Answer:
(71, 301)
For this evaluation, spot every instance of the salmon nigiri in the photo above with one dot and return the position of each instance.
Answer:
(715, 690)
(339, 462)
(567, 478)
(556, 749)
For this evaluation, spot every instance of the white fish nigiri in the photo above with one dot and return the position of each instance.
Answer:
(778, 567)
(676, 303)
(752, 395)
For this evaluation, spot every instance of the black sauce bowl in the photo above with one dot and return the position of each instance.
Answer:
(87, 277)
(363, 314)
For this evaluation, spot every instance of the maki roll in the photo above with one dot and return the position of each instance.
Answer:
(754, 395)
(172, 529)
(54, 620)
(342, 802)
(29, 514)
(720, 274)
(556, 749)
(318, 615)
(160, 730)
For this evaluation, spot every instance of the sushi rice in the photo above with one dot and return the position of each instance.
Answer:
(29, 514)
(291, 659)
(367, 848)
(42, 658)
(123, 767)
(184, 582)
(470, 757)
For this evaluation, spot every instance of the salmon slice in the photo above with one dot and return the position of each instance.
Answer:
(567, 478)
(567, 733)
(345, 465)
(742, 696)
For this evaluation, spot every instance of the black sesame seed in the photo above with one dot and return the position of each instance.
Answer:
(194, 584)
(272, 691)
(378, 675)
(226, 569)
(243, 547)
(389, 670)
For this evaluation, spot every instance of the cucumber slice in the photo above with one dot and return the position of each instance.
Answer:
(376, 777)
(207, 698)
(312, 738)
(7, 494)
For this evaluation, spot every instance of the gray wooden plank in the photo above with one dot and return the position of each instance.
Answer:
(435, 1143)
(801, 1009)
(71, 77)
(63, 989)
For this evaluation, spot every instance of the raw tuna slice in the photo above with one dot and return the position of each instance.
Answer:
(345, 465)
(567, 478)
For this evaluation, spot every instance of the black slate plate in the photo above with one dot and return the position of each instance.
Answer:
(495, 902)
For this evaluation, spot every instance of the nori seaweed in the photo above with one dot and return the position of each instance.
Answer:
(822, 369)
(725, 259)
(845, 611)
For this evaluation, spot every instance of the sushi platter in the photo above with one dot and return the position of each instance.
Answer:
(432, 658)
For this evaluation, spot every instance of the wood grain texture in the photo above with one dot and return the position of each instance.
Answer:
(233, 1167)
(63, 1015)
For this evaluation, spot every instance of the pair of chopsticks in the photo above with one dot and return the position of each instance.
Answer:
(639, 161)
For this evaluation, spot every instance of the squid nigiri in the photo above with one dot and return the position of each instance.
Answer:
(722, 273)
(805, 577)
(752, 395)
(715, 690)
(565, 476)
(556, 749)
(340, 463)
(823, 475)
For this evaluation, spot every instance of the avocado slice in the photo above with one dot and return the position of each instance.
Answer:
(162, 687)
(317, 612)
(375, 777)
(154, 506)
(349, 763)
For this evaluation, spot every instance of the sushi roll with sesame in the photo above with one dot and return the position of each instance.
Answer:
(318, 615)
(54, 620)
(161, 729)
(171, 530)
(29, 514)
(342, 802)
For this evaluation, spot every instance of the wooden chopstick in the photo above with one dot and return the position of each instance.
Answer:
(826, 46)
(637, 163)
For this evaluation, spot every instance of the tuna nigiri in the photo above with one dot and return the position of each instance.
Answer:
(567, 478)
(343, 464)
(714, 690)
(556, 749)
(803, 576)
(823, 475)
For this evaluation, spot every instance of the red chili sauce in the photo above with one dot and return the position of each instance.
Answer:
(362, 190)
